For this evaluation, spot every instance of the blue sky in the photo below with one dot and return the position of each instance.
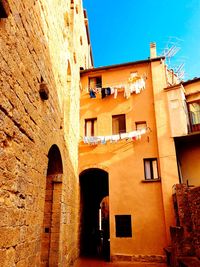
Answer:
(121, 31)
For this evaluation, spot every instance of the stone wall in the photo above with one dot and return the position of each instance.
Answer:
(186, 234)
(194, 200)
(37, 45)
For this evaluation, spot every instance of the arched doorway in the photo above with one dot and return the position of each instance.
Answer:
(52, 209)
(94, 225)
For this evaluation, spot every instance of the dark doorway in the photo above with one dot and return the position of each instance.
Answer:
(95, 235)
(52, 209)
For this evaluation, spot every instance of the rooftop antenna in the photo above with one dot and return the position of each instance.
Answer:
(171, 49)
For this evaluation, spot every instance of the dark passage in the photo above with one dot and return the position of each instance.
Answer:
(94, 188)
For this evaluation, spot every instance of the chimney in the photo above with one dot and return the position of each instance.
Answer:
(153, 53)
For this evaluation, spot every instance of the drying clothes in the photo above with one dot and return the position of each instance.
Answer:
(92, 93)
(108, 91)
(102, 140)
(93, 140)
(124, 135)
(115, 93)
(114, 138)
(97, 90)
(107, 138)
(112, 90)
(105, 91)
(127, 91)
(85, 140)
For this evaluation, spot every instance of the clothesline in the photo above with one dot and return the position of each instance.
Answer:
(133, 85)
(119, 82)
(95, 140)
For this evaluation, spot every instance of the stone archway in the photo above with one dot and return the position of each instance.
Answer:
(94, 187)
(52, 209)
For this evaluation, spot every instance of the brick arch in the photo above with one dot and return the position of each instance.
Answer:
(52, 209)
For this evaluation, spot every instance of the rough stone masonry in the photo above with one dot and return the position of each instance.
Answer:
(40, 42)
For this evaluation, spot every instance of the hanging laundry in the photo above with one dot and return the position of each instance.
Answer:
(127, 91)
(102, 139)
(112, 90)
(105, 91)
(97, 90)
(85, 140)
(92, 93)
(134, 135)
(108, 91)
(114, 138)
(124, 135)
(115, 93)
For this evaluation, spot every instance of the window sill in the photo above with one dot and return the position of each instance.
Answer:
(151, 180)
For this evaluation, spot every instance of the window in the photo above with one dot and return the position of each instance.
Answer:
(91, 127)
(151, 169)
(3, 9)
(194, 112)
(123, 225)
(95, 82)
(118, 124)
(140, 125)
(76, 9)
(74, 54)
(81, 40)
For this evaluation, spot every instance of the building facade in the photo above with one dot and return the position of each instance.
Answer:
(99, 182)
(133, 118)
(43, 45)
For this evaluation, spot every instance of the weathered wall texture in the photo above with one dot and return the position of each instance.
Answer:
(37, 43)
(186, 234)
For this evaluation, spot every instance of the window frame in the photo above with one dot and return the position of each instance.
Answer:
(193, 126)
(151, 160)
(120, 131)
(140, 123)
(123, 229)
(92, 120)
(96, 84)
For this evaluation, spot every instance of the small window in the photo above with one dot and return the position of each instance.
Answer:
(74, 57)
(118, 124)
(194, 109)
(140, 125)
(151, 169)
(81, 40)
(95, 82)
(91, 127)
(123, 225)
(76, 9)
(3, 9)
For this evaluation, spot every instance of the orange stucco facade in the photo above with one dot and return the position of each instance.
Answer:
(148, 202)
